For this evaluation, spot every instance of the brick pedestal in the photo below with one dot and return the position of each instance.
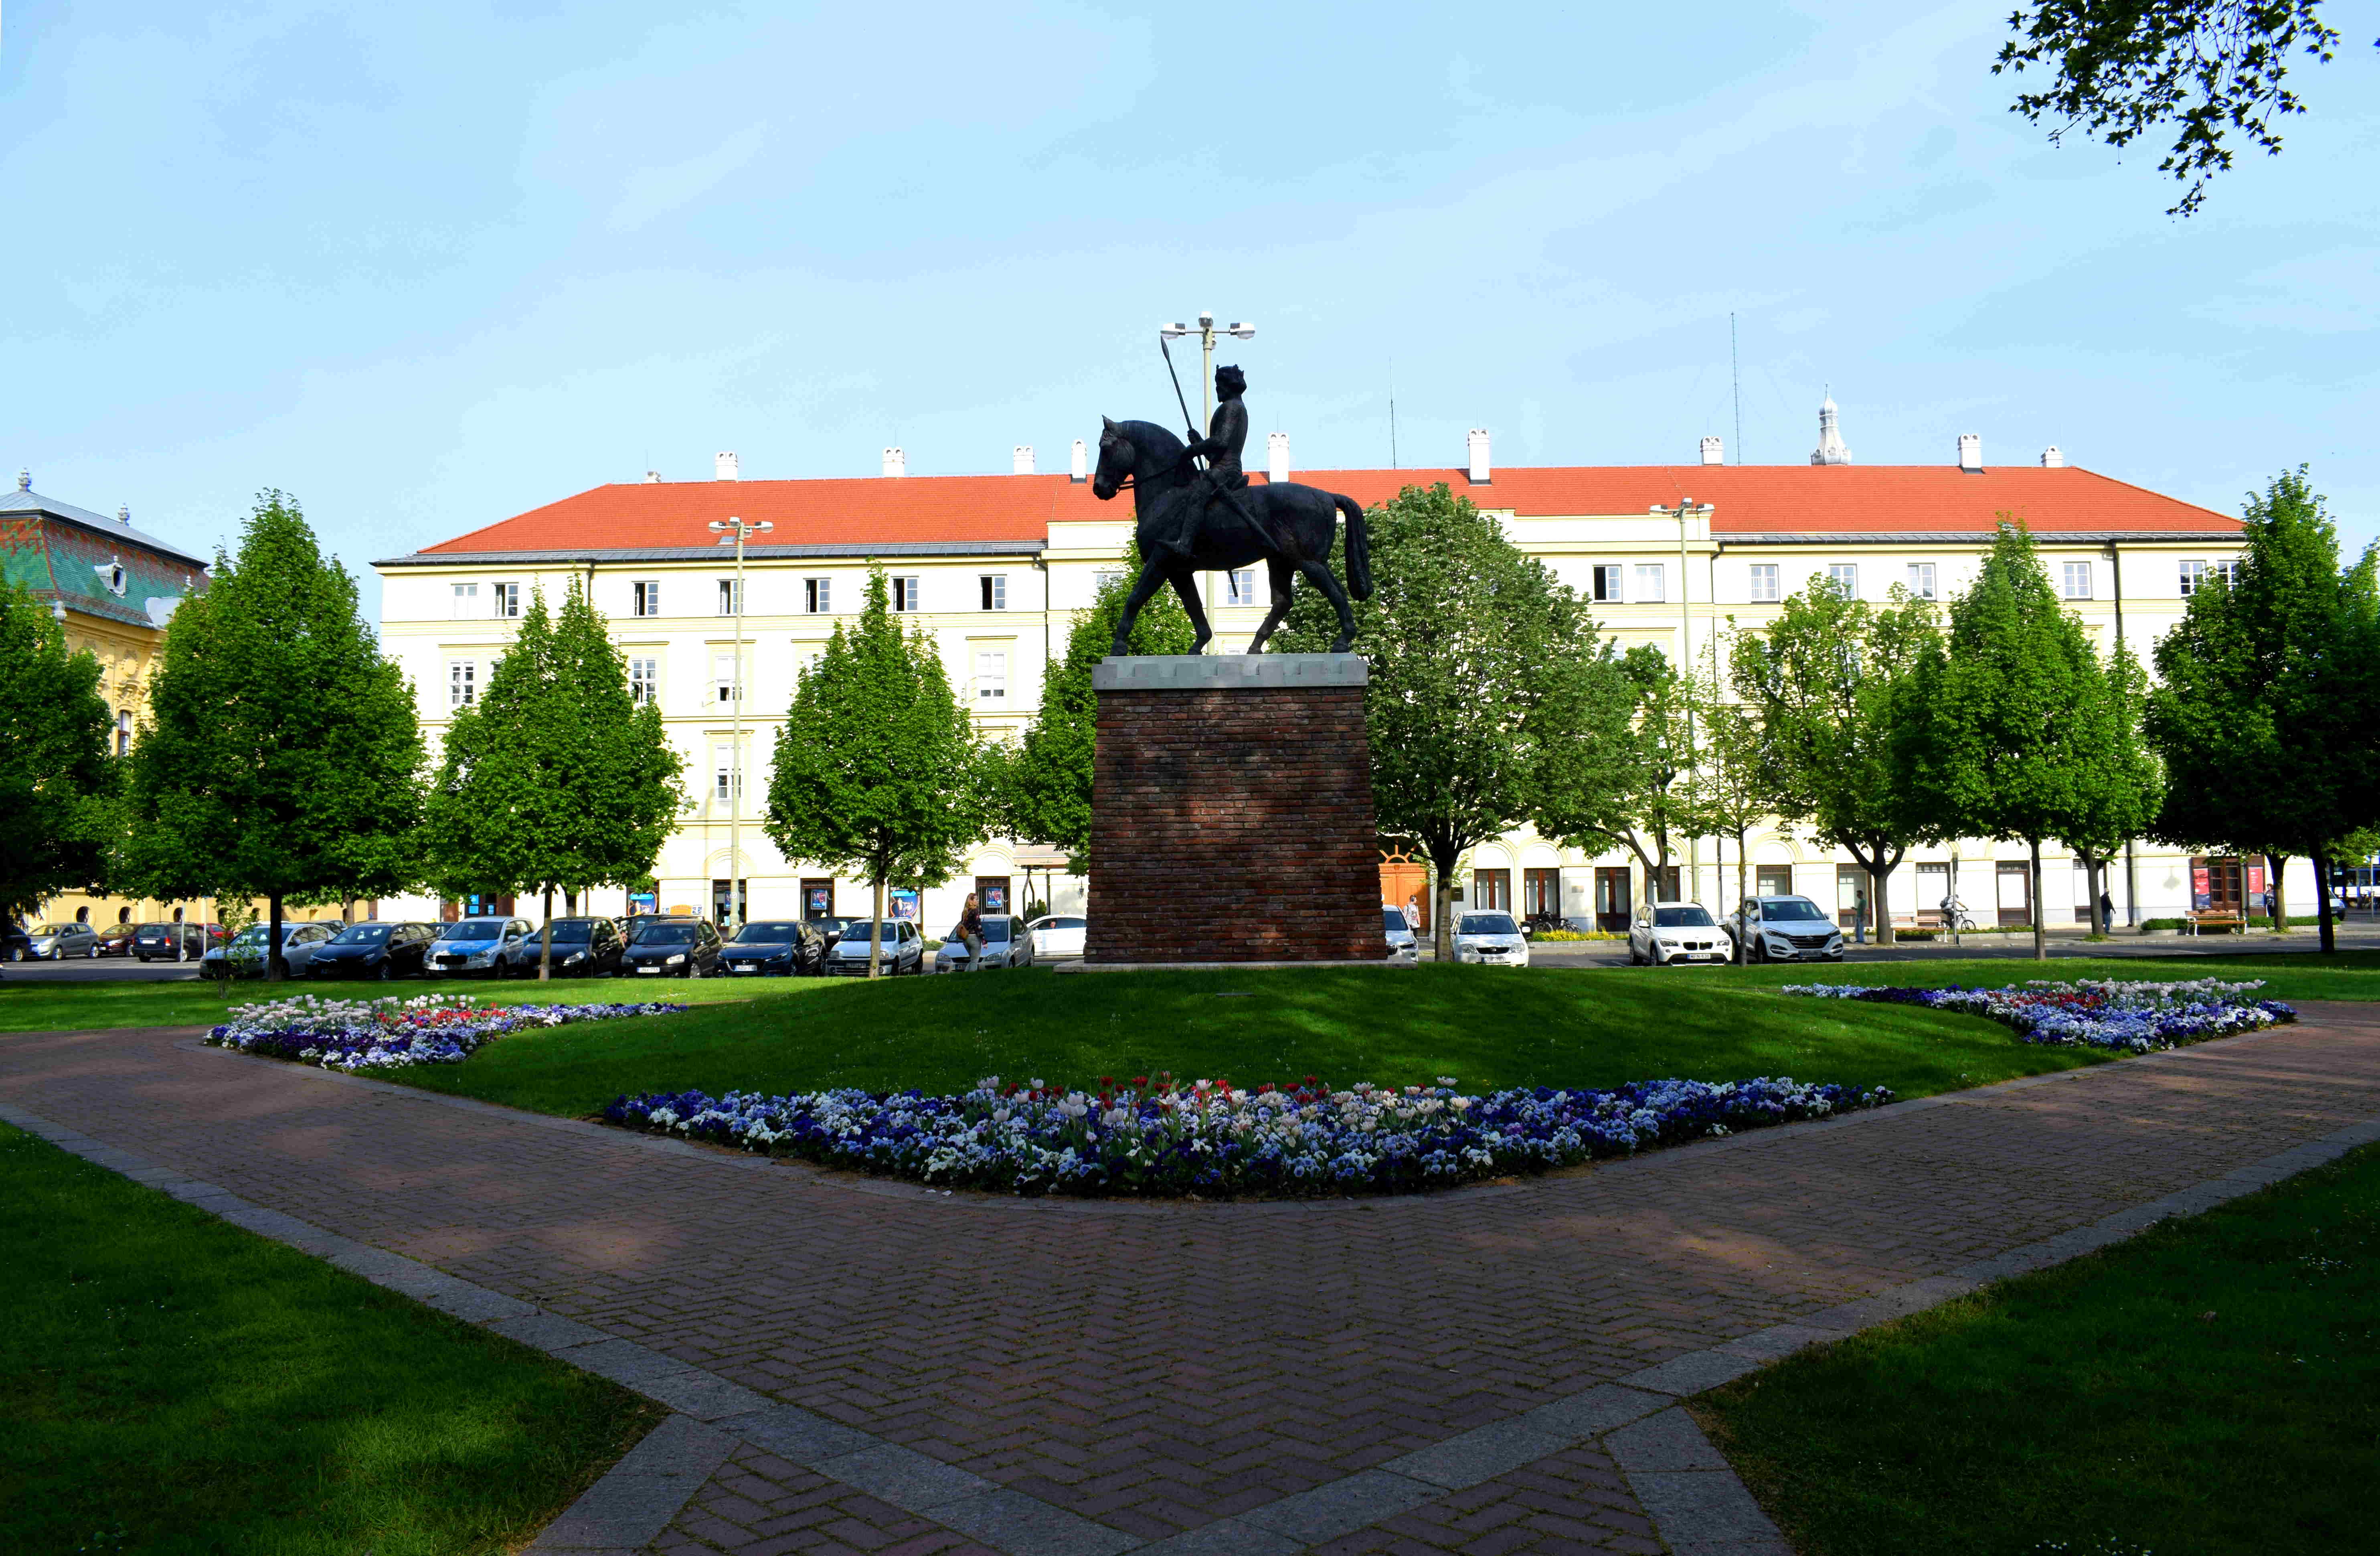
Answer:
(1232, 812)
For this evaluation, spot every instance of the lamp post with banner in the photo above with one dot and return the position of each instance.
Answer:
(735, 529)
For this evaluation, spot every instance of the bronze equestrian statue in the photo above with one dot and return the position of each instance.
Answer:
(1190, 521)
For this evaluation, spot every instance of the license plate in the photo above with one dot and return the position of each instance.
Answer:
(642, 971)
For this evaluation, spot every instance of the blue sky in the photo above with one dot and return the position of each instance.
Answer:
(428, 266)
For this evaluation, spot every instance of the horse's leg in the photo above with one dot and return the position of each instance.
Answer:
(1186, 584)
(1151, 579)
(1285, 579)
(1321, 572)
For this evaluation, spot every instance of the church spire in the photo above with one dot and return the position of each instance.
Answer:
(1830, 449)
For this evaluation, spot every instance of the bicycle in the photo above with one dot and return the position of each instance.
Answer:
(1956, 918)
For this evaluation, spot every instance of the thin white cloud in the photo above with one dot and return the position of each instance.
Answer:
(656, 191)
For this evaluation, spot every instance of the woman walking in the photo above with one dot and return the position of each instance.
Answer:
(971, 933)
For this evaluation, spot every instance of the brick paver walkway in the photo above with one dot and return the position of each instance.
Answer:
(1154, 1368)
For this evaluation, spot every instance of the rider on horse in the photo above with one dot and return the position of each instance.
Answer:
(1222, 479)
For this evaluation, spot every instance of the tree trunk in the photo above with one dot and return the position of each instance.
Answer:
(2275, 867)
(2040, 917)
(275, 969)
(545, 940)
(1742, 863)
(570, 901)
(876, 934)
(1441, 939)
(2322, 899)
(1880, 892)
(2091, 886)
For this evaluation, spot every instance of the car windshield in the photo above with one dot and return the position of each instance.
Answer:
(573, 932)
(766, 934)
(486, 929)
(1681, 919)
(995, 928)
(1393, 918)
(252, 935)
(1489, 924)
(1792, 910)
(663, 934)
(58, 929)
(856, 933)
(362, 934)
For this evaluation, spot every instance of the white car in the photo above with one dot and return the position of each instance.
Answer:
(1402, 947)
(1789, 930)
(1677, 932)
(1491, 940)
(1056, 935)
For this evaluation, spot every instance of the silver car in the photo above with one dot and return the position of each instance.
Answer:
(245, 954)
(1789, 930)
(1005, 944)
(493, 947)
(903, 950)
(1402, 947)
(55, 943)
(1491, 940)
(1677, 932)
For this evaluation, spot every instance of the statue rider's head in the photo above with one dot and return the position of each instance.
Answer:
(1230, 384)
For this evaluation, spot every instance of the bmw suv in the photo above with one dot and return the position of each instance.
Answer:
(1789, 930)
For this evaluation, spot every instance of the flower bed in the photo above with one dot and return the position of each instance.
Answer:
(1158, 1139)
(2129, 1017)
(394, 1033)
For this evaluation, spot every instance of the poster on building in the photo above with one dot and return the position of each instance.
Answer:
(2257, 885)
(903, 903)
(643, 902)
(817, 900)
(2200, 896)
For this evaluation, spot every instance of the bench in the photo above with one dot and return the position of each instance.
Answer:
(2202, 920)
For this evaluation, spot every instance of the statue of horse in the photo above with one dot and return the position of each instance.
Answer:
(1304, 519)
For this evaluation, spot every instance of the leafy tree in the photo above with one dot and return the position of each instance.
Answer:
(2003, 741)
(878, 773)
(56, 779)
(1492, 698)
(1829, 682)
(555, 779)
(1658, 801)
(2271, 690)
(1735, 791)
(2207, 67)
(1047, 790)
(283, 756)
(2118, 785)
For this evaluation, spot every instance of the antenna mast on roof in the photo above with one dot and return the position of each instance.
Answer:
(1735, 377)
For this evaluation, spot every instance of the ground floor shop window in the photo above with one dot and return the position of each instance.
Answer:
(1541, 891)
(1492, 889)
(1614, 899)
(1933, 886)
(1773, 881)
(991, 894)
(817, 898)
(730, 898)
(2015, 880)
(1851, 893)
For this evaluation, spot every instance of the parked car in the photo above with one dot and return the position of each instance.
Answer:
(116, 940)
(671, 948)
(830, 928)
(1402, 947)
(375, 950)
(492, 946)
(582, 948)
(16, 944)
(244, 956)
(55, 943)
(1491, 940)
(1787, 929)
(1057, 936)
(1005, 944)
(903, 950)
(1677, 932)
(154, 943)
(775, 947)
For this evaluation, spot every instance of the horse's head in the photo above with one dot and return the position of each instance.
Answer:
(1117, 458)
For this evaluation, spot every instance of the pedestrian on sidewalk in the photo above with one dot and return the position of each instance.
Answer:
(971, 933)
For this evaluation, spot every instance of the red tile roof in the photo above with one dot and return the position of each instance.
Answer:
(1749, 500)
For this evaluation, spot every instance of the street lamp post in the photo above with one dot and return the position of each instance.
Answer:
(735, 529)
(1688, 507)
(1205, 331)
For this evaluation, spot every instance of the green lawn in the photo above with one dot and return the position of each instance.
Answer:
(170, 1384)
(2211, 1386)
(30, 1005)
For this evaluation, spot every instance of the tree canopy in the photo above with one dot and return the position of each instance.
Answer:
(56, 780)
(283, 755)
(877, 772)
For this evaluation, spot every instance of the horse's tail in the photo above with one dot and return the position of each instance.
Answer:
(1359, 547)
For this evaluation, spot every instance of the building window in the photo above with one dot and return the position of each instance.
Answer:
(817, 596)
(123, 733)
(992, 677)
(505, 599)
(643, 681)
(1844, 576)
(648, 597)
(806, 659)
(730, 597)
(722, 676)
(466, 602)
(2194, 572)
(726, 781)
(1491, 890)
(1921, 579)
(994, 587)
(462, 689)
(1649, 590)
(1607, 581)
(1541, 891)
(2076, 580)
(905, 593)
(1104, 576)
(1240, 586)
(1764, 581)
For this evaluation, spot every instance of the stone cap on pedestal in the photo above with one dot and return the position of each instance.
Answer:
(1227, 672)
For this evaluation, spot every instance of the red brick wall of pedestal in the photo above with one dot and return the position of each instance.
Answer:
(1233, 825)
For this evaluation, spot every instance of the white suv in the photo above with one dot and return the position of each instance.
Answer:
(1677, 932)
(1789, 930)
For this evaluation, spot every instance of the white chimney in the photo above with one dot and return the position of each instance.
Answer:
(726, 466)
(1714, 452)
(1971, 452)
(895, 462)
(1020, 459)
(1082, 471)
(2051, 459)
(652, 477)
(1277, 456)
(1481, 474)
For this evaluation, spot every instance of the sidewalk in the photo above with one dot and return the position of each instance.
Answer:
(1153, 1369)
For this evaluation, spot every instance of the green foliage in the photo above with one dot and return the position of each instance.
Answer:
(56, 778)
(2207, 67)
(1047, 795)
(283, 756)
(1492, 699)
(878, 773)
(2271, 690)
